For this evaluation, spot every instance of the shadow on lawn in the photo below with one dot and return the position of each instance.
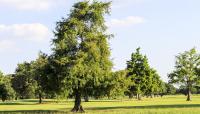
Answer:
(26, 102)
(20, 103)
(15, 103)
(33, 112)
(66, 110)
(147, 107)
(35, 100)
(104, 101)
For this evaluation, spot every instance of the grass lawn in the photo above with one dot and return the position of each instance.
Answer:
(165, 105)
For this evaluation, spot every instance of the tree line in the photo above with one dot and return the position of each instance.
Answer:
(36, 79)
(80, 66)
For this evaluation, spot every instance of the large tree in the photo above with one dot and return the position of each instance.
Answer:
(140, 73)
(186, 70)
(81, 51)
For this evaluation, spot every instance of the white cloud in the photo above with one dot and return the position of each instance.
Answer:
(132, 1)
(125, 3)
(34, 32)
(6, 45)
(29, 4)
(128, 21)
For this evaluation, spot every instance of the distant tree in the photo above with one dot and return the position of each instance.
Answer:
(197, 89)
(55, 84)
(163, 89)
(40, 75)
(81, 54)
(23, 82)
(6, 90)
(155, 84)
(118, 84)
(186, 70)
(170, 89)
(183, 90)
(140, 73)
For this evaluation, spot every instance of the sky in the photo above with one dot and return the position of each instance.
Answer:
(162, 28)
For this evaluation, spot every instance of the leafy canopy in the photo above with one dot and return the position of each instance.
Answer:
(81, 49)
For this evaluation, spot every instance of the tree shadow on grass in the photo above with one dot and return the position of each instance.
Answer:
(33, 112)
(67, 110)
(104, 101)
(35, 100)
(147, 107)
(14, 103)
(26, 102)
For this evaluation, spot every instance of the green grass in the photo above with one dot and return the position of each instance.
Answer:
(165, 105)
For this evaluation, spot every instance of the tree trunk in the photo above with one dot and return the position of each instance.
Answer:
(40, 98)
(138, 97)
(188, 94)
(151, 95)
(130, 95)
(86, 98)
(77, 103)
(161, 95)
(3, 98)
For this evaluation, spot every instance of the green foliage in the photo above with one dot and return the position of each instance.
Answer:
(186, 70)
(81, 54)
(163, 88)
(140, 73)
(6, 90)
(156, 85)
(183, 90)
(170, 89)
(118, 84)
(40, 74)
(186, 67)
(23, 81)
(81, 49)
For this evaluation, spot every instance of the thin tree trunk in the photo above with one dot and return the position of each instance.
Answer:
(161, 95)
(3, 98)
(130, 95)
(77, 103)
(139, 97)
(40, 98)
(151, 95)
(86, 98)
(188, 94)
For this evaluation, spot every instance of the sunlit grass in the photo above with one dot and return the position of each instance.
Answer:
(165, 105)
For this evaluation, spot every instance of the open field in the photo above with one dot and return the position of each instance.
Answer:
(165, 105)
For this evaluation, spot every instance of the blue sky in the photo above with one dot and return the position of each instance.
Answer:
(162, 28)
